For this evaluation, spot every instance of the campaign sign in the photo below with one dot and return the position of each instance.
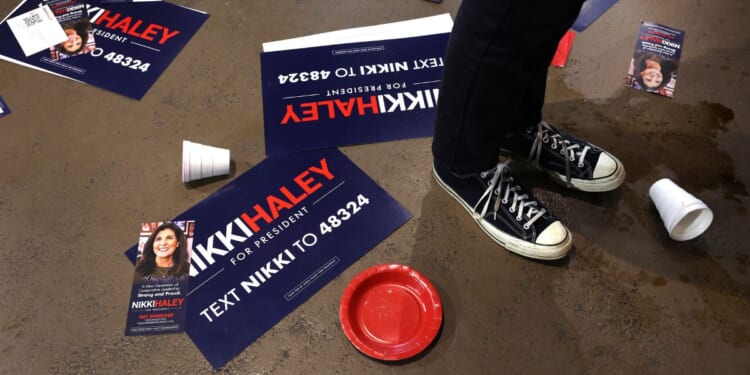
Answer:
(127, 45)
(273, 237)
(345, 94)
(4, 109)
(590, 12)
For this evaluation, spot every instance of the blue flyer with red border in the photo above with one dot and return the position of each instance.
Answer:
(129, 45)
(351, 93)
(273, 237)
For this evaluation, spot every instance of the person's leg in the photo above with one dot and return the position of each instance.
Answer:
(576, 162)
(460, 141)
(494, 66)
(529, 110)
(567, 159)
(495, 73)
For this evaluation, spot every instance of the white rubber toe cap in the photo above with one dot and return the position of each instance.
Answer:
(554, 234)
(605, 166)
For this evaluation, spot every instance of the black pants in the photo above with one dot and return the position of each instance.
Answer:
(495, 76)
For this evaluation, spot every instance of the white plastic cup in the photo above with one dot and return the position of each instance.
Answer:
(685, 216)
(201, 161)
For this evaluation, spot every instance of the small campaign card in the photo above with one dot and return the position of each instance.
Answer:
(160, 282)
(37, 30)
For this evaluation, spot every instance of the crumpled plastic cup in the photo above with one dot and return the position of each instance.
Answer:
(685, 217)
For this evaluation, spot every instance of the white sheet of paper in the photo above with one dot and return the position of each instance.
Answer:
(37, 30)
(442, 23)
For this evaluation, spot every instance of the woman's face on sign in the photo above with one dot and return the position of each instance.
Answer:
(165, 243)
(74, 41)
(652, 76)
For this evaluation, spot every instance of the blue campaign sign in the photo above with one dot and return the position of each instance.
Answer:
(590, 12)
(346, 94)
(4, 110)
(274, 236)
(122, 47)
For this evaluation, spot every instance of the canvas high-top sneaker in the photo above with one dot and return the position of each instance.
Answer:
(511, 217)
(575, 162)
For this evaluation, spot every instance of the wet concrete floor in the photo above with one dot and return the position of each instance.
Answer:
(81, 167)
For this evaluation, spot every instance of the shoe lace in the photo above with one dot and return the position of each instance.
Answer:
(569, 150)
(501, 187)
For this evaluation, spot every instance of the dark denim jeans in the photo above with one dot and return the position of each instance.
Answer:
(495, 76)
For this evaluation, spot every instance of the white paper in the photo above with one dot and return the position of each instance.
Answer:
(439, 24)
(37, 30)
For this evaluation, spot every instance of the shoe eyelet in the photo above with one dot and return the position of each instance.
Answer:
(554, 146)
(518, 218)
(572, 158)
(580, 165)
(526, 226)
(504, 201)
(512, 210)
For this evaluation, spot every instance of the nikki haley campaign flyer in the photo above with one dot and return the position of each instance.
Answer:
(121, 47)
(656, 59)
(273, 237)
(160, 281)
(351, 93)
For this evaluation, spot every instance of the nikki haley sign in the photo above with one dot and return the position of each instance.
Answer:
(352, 93)
(273, 237)
(125, 48)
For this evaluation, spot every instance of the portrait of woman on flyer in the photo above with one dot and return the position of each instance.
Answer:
(653, 73)
(165, 255)
(80, 41)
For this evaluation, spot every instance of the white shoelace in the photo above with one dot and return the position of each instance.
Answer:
(544, 134)
(520, 202)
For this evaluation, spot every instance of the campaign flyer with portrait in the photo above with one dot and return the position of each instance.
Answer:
(160, 282)
(274, 236)
(74, 19)
(122, 47)
(656, 58)
(352, 93)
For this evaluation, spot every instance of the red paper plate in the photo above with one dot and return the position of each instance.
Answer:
(390, 312)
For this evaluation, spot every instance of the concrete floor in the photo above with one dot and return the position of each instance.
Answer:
(81, 167)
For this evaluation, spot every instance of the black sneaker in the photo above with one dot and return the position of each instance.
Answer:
(510, 217)
(573, 161)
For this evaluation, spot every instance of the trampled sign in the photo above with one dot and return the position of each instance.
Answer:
(352, 93)
(125, 46)
(274, 236)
